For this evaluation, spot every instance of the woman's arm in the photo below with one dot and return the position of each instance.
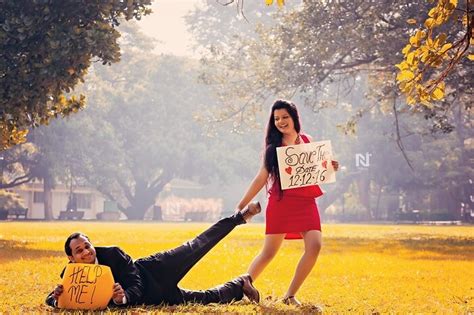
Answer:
(257, 184)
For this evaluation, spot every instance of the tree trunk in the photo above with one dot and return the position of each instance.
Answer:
(137, 210)
(462, 121)
(145, 196)
(48, 197)
(139, 205)
(377, 210)
(363, 185)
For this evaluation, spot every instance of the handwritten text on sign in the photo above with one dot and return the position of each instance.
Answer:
(86, 286)
(305, 164)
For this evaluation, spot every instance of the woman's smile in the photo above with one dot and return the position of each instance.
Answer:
(283, 120)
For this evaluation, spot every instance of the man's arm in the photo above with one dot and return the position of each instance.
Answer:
(129, 278)
(52, 298)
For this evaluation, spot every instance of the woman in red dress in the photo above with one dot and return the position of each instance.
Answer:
(290, 214)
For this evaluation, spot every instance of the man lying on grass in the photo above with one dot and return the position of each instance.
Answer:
(153, 280)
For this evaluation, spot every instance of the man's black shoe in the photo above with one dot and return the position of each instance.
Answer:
(249, 290)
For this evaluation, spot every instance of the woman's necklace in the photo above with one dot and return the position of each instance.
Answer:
(298, 140)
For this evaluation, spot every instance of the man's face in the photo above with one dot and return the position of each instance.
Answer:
(82, 251)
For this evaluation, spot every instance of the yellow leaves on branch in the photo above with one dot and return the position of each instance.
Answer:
(438, 92)
(416, 39)
(10, 135)
(441, 13)
(405, 75)
(279, 2)
(426, 51)
(64, 106)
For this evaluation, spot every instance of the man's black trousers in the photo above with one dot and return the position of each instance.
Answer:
(169, 267)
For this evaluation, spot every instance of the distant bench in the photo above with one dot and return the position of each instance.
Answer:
(71, 215)
(108, 215)
(413, 217)
(17, 213)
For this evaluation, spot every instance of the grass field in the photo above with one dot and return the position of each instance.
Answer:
(362, 268)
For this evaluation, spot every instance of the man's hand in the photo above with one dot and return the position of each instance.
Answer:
(58, 291)
(118, 294)
(335, 165)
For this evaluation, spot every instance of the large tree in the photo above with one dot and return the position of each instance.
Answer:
(305, 49)
(46, 48)
(139, 131)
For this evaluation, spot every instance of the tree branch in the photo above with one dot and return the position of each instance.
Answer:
(125, 188)
(17, 181)
(399, 139)
(158, 184)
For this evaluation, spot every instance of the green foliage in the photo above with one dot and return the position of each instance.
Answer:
(18, 165)
(47, 48)
(10, 200)
(352, 204)
(308, 47)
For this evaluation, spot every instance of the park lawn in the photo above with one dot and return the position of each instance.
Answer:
(362, 268)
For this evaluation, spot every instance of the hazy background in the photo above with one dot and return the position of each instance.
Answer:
(183, 114)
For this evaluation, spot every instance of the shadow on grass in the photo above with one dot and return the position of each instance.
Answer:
(13, 250)
(267, 306)
(419, 246)
(241, 307)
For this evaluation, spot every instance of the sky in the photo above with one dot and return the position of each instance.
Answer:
(166, 24)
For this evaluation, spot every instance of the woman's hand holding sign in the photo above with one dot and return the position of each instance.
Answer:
(335, 165)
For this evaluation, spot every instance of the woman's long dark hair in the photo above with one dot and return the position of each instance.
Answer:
(274, 137)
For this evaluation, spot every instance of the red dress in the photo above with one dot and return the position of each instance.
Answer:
(294, 211)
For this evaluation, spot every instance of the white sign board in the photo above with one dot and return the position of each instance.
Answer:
(305, 164)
